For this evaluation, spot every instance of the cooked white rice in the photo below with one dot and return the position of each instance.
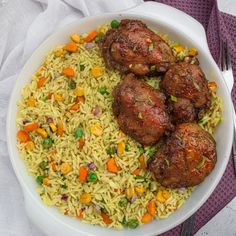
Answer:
(64, 191)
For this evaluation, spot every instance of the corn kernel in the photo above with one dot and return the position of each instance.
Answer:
(192, 52)
(96, 130)
(75, 38)
(97, 71)
(59, 52)
(120, 148)
(58, 97)
(31, 102)
(129, 193)
(101, 30)
(122, 135)
(160, 197)
(79, 91)
(146, 218)
(65, 168)
(29, 145)
(46, 181)
(166, 194)
(53, 127)
(39, 71)
(178, 48)
(139, 189)
(42, 132)
(85, 198)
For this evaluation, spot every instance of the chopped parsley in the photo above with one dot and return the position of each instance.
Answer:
(173, 98)
(150, 47)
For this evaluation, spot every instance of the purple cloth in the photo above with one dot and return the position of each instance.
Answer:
(217, 25)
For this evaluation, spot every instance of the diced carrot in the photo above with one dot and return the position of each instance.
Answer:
(83, 173)
(68, 71)
(106, 218)
(146, 218)
(50, 95)
(136, 172)
(66, 212)
(212, 84)
(80, 99)
(41, 82)
(74, 107)
(31, 127)
(54, 166)
(71, 47)
(60, 129)
(151, 208)
(142, 162)
(81, 143)
(22, 136)
(80, 215)
(91, 36)
(112, 166)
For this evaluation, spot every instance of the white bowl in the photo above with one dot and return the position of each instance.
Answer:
(179, 27)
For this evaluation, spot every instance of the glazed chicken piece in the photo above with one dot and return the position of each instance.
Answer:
(140, 110)
(188, 82)
(181, 110)
(132, 47)
(186, 158)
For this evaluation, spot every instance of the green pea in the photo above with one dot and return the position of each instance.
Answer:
(43, 165)
(115, 24)
(47, 142)
(111, 150)
(104, 210)
(98, 38)
(39, 179)
(82, 67)
(92, 177)
(45, 98)
(123, 202)
(72, 84)
(151, 151)
(133, 223)
(124, 222)
(79, 133)
(103, 91)
(153, 67)
(141, 150)
(127, 147)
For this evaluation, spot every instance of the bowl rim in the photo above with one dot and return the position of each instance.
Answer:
(12, 155)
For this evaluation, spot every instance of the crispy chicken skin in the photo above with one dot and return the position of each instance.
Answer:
(132, 47)
(140, 110)
(186, 158)
(187, 81)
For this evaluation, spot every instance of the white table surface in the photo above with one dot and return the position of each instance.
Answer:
(224, 223)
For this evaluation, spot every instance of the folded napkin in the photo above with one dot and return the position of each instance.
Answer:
(24, 25)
